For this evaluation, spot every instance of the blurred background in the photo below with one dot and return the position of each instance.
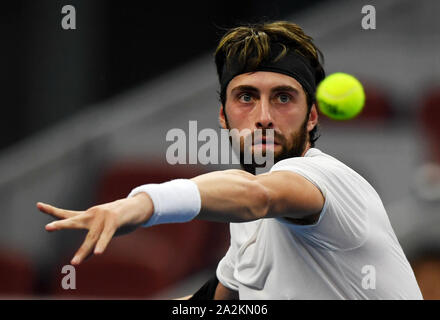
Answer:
(86, 112)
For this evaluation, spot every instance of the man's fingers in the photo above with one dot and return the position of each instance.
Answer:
(87, 247)
(56, 212)
(71, 223)
(105, 238)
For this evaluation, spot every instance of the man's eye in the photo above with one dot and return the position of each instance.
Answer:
(283, 98)
(245, 97)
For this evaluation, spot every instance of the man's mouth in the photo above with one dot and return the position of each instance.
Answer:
(265, 141)
(266, 144)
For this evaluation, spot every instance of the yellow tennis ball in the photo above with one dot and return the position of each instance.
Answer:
(340, 96)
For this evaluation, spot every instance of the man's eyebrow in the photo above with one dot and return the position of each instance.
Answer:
(285, 89)
(245, 88)
(248, 88)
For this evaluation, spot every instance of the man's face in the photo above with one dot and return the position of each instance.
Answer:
(269, 100)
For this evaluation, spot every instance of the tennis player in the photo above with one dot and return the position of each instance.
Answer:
(310, 228)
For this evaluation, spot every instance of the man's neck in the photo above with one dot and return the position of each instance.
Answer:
(307, 148)
(252, 169)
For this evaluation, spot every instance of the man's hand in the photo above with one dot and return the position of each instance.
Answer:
(103, 222)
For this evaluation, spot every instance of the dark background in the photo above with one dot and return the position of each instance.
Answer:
(48, 73)
(85, 116)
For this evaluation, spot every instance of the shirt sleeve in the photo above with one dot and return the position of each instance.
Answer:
(226, 267)
(343, 222)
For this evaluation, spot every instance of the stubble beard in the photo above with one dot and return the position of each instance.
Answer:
(291, 148)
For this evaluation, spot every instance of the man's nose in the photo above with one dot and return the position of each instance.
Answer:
(264, 118)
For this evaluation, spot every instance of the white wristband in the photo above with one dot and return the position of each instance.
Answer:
(174, 201)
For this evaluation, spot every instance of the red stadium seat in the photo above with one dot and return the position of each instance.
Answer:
(429, 119)
(16, 274)
(144, 262)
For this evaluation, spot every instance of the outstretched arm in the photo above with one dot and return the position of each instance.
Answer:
(238, 196)
(226, 196)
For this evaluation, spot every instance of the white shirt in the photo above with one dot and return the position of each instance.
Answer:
(350, 253)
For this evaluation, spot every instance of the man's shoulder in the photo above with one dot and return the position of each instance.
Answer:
(313, 156)
(316, 163)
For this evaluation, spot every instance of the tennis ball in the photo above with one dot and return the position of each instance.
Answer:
(340, 96)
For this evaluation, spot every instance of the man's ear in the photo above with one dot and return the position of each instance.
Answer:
(222, 118)
(313, 118)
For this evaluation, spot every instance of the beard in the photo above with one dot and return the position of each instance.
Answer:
(297, 145)
(290, 148)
